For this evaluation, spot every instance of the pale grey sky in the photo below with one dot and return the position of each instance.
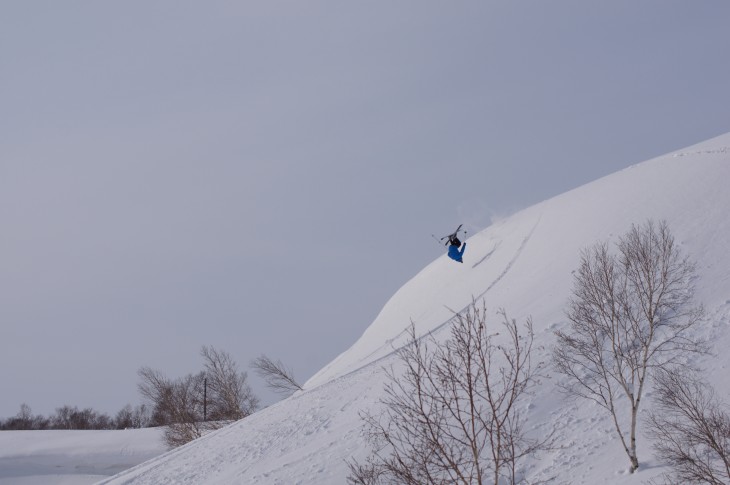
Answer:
(263, 176)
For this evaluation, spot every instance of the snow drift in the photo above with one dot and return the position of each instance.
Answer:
(522, 264)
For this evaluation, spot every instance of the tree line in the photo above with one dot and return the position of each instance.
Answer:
(71, 417)
(187, 407)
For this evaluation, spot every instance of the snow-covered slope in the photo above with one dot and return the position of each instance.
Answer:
(522, 264)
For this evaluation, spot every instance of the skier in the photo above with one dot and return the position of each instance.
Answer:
(454, 252)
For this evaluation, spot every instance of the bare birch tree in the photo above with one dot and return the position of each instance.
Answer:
(178, 404)
(278, 377)
(630, 313)
(453, 415)
(230, 396)
(181, 404)
(691, 430)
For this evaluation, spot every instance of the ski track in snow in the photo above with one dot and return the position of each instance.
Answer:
(496, 245)
(443, 325)
(511, 262)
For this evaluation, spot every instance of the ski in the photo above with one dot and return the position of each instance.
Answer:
(454, 234)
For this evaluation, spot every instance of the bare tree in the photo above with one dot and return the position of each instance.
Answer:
(142, 416)
(178, 404)
(453, 416)
(22, 421)
(230, 395)
(157, 389)
(181, 404)
(63, 419)
(41, 422)
(630, 313)
(187, 407)
(278, 377)
(691, 429)
(124, 418)
(129, 417)
(25, 416)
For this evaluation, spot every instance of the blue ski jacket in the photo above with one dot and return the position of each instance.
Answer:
(455, 253)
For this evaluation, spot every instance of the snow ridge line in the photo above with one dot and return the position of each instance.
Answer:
(442, 325)
(702, 152)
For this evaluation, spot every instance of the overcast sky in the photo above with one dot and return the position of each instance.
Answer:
(263, 176)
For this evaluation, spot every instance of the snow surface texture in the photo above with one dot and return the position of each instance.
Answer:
(523, 264)
(73, 457)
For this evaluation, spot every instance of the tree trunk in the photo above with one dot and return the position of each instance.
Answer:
(632, 454)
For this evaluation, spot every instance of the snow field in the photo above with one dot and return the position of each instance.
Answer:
(73, 457)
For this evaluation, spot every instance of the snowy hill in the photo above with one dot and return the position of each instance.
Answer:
(522, 264)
